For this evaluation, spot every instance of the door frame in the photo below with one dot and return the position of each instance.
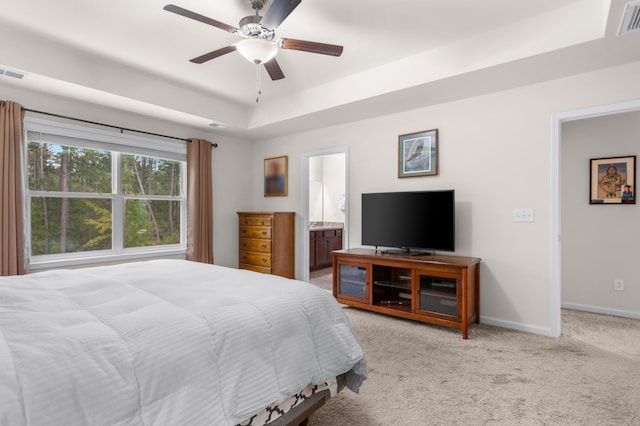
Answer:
(556, 163)
(304, 223)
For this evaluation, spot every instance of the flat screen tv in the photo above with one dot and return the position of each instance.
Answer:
(412, 222)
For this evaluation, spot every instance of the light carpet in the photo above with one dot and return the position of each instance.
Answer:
(421, 374)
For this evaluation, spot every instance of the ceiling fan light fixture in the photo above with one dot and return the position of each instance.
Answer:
(256, 50)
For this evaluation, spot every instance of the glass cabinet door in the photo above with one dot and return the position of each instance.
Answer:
(352, 281)
(439, 295)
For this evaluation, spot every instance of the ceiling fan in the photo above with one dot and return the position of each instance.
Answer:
(259, 43)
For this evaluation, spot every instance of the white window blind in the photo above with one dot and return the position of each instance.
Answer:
(48, 131)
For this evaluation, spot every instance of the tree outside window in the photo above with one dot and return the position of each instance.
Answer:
(75, 192)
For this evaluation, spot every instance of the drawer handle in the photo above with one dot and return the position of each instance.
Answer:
(244, 244)
(262, 222)
(264, 260)
(244, 257)
(264, 246)
(264, 232)
(244, 231)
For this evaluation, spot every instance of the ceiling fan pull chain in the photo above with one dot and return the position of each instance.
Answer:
(258, 82)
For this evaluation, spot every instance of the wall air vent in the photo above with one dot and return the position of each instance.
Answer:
(11, 73)
(631, 18)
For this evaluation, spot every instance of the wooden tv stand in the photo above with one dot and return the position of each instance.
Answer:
(436, 289)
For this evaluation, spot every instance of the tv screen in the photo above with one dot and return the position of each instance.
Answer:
(409, 220)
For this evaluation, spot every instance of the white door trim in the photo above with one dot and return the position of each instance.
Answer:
(555, 195)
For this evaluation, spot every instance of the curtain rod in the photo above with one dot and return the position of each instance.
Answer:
(215, 145)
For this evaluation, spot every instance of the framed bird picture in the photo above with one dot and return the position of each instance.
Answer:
(418, 154)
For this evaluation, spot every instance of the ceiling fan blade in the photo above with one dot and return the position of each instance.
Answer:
(311, 46)
(212, 55)
(192, 15)
(274, 70)
(278, 12)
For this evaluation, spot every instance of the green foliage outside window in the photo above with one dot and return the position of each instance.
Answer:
(72, 199)
(92, 232)
(68, 169)
(149, 176)
(151, 222)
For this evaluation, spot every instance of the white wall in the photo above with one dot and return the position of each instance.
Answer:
(495, 152)
(599, 242)
(316, 204)
(334, 186)
(232, 160)
(326, 188)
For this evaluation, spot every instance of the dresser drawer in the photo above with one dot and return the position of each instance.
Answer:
(254, 258)
(255, 221)
(255, 232)
(255, 268)
(252, 244)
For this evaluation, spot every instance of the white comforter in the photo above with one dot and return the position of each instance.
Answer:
(164, 342)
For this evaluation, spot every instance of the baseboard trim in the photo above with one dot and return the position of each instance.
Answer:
(547, 331)
(601, 310)
(517, 326)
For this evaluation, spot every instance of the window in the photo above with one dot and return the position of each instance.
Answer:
(93, 194)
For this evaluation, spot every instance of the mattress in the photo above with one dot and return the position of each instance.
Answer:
(165, 342)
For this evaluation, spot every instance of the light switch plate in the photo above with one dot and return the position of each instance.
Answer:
(523, 215)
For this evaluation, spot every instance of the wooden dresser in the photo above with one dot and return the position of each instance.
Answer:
(267, 242)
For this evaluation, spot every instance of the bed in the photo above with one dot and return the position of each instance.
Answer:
(170, 342)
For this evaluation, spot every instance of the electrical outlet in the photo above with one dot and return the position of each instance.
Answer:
(618, 284)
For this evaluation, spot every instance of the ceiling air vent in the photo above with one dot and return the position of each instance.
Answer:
(631, 18)
(10, 73)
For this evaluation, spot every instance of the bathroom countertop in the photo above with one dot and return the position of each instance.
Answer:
(325, 226)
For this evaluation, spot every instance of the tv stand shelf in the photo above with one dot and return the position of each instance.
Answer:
(436, 289)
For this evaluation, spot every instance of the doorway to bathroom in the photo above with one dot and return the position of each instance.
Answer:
(325, 211)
